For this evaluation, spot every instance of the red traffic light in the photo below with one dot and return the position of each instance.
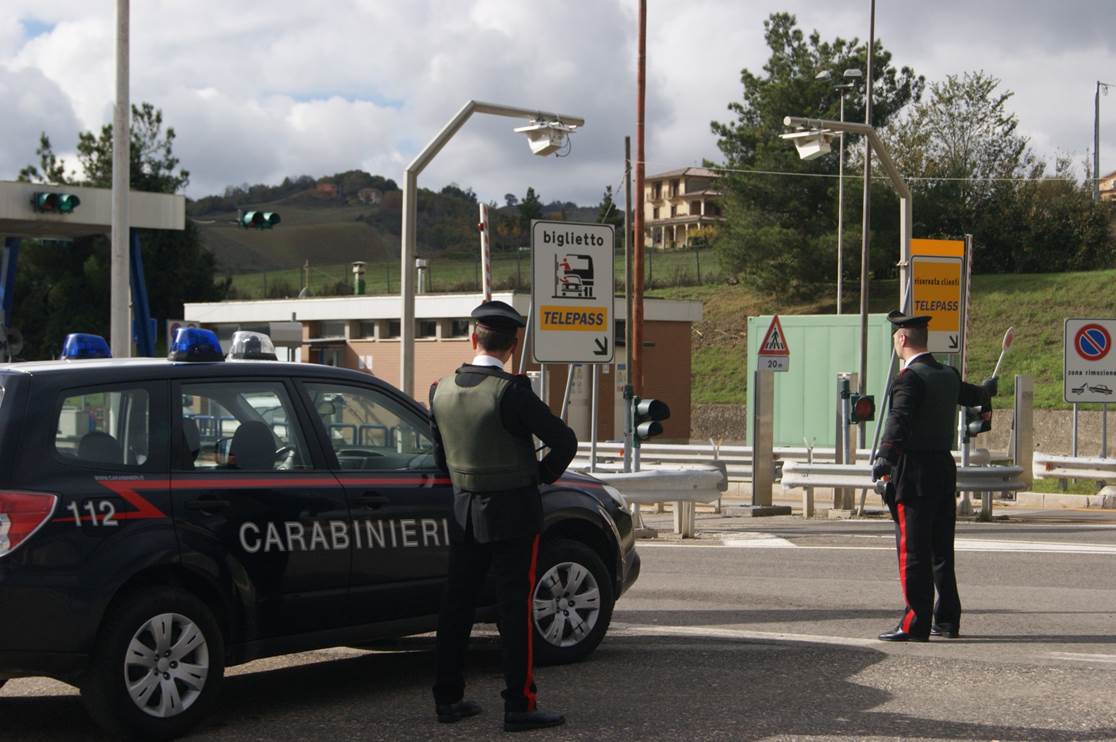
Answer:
(862, 408)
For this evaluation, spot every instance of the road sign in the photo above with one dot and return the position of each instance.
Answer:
(572, 291)
(936, 292)
(774, 352)
(1090, 366)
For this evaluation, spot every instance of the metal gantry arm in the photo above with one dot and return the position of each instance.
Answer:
(410, 217)
(897, 182)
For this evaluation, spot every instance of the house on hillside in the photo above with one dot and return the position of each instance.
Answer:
(370, 196)
(327, 189)
(679, 203)
(1107, 187)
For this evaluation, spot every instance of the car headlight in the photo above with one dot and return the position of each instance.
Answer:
(616, 495)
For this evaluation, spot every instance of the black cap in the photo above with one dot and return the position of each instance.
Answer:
(498, 316)
(898, 319)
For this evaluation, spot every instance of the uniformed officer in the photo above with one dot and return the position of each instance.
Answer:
(484, 420)
(915, 456)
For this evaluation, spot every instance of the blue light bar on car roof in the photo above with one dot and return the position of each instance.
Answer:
(85, 345)
(195, 344)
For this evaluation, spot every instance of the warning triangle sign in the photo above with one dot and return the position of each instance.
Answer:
(774, 342)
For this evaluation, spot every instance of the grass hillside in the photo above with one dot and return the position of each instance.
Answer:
(1034, 304)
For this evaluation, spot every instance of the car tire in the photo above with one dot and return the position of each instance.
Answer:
(135, 693)
(572, 602)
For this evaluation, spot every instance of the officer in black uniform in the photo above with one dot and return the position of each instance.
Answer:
(915, 457)
(484, 420)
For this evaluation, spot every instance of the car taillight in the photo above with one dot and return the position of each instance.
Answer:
(21, 514)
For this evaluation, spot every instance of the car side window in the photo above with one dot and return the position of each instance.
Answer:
(239, 425)
(103, 426)
(371, 431)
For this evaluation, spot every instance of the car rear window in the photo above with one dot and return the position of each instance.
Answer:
(101, 426)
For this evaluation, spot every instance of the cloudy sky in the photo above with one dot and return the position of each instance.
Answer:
(260, 89)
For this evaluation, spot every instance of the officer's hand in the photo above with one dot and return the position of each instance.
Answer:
(990, 386)
(882, 468)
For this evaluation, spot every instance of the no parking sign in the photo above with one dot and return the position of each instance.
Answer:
(1090, 366)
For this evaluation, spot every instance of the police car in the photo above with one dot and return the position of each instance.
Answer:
(161, 520)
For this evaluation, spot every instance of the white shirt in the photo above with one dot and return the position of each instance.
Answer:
(485, 360)
(908, 363)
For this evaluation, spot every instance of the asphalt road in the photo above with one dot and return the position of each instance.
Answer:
(761, 629)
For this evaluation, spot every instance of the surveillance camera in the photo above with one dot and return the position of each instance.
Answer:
(810, 144)
(545, 137)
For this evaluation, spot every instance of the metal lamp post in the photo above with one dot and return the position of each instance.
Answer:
(905, 215)
(410, 216)
(851, 75)
(1096, 136)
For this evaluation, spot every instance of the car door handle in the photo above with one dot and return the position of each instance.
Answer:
(208, 504)
(371, 500)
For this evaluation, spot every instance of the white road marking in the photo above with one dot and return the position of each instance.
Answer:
(754, 540)
(1083, 657)
(719, 633)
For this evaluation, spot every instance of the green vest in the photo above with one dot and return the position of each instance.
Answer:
(935, 422)
(481, 454)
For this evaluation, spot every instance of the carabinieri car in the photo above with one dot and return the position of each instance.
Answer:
(161, 520)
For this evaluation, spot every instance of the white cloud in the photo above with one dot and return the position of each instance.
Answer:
(260, 89)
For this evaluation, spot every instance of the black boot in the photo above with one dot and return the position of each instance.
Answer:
(451, 712)
(525, 721)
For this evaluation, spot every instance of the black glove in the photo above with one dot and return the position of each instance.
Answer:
(990, 386)
(882, 468)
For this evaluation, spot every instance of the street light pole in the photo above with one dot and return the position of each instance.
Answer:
(840, 204)
(1096, 137)
(120, 330)
(410, 218)
(866, 218)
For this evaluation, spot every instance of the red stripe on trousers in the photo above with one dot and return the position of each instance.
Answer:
(528, 693)
(909, 615)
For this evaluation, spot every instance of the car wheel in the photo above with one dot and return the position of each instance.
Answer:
(158, 665)
(572, 602)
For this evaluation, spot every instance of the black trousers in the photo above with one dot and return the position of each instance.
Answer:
(512, 563)
(925, 515)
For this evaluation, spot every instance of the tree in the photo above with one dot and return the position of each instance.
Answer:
(529, 208)
(64, 287)
(780, 230)
(607, 213)
(510, 200)
(973, 172)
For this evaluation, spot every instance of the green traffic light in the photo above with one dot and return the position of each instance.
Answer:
(48, 202)
(259, 219)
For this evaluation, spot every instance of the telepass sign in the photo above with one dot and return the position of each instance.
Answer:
(936, 291)
(572, 292)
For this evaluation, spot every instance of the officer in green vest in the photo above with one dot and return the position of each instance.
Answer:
(915, 458)
(484, 423)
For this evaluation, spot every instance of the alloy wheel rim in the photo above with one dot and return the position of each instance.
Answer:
(566, 604)
(166, 665)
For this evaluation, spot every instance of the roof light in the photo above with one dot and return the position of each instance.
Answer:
(252, 346)
(85, 345)
(195, 344)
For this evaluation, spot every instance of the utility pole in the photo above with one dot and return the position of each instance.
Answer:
(1096, 137)
(120, 330)
(635, 370)
(866, 220)
(629, 335)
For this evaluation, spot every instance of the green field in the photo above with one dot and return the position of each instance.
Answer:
(1034, 304)
(450, 273)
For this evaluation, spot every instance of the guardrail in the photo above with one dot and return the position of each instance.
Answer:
(683, 487)
(1047, 466)
(984, 479)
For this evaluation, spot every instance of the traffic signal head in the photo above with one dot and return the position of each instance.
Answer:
(51, 202)
(259, 219)
(977, 420)
(862, 408)
(648, 416)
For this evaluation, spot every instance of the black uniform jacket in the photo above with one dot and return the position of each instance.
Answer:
(919, 471)
(515, 513)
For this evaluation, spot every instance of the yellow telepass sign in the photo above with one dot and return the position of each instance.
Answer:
(936, 290)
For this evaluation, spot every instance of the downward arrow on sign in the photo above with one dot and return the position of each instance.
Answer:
(602, 346)
(953, 342)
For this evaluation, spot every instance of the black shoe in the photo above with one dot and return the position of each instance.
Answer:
(451, 712)
(945, 630)
(525, 721)
(898, 635)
